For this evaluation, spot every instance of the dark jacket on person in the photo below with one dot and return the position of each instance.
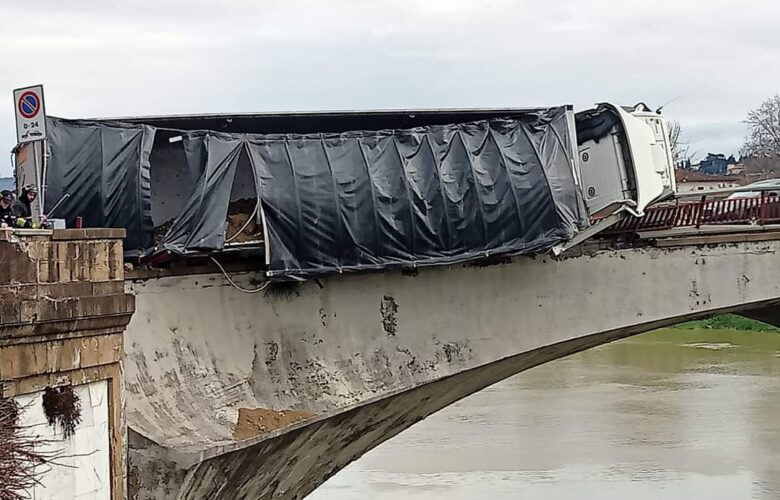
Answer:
(7, 216)
(22, 208)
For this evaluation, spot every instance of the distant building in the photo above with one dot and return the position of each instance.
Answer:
(716, 164)
(698, 182)
(736, 169)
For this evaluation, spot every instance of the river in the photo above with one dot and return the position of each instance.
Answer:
(673, 414)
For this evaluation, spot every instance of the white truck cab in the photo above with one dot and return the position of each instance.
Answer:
(625, 159)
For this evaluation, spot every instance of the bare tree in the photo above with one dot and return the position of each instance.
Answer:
(20, 461)
(679, 148)
(24, 456)
(763, 138)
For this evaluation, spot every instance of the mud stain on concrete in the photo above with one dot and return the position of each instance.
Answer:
(389, 311)
(256, 421)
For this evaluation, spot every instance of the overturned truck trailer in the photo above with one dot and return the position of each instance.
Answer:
(309, 194)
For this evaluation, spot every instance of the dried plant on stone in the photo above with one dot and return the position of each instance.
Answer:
(62, 407)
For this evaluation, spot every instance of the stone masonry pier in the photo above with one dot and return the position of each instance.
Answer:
(63, 311)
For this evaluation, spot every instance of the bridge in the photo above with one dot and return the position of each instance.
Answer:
(239, 384)
(233, 394)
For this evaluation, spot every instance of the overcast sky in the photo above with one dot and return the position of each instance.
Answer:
(102, 58)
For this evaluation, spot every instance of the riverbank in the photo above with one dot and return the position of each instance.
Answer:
(728, 322)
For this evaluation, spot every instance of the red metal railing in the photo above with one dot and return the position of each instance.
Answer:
(760, 210)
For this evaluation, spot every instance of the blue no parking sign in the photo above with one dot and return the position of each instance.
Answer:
(30, 114)
(29, 104)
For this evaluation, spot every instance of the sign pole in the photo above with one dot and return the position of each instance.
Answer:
(30, 114)
(37, 205)
(42, 180)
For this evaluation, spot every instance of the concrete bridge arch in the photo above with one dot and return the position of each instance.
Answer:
(359, 358)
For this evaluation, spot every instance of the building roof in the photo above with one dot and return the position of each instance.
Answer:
(693, 176)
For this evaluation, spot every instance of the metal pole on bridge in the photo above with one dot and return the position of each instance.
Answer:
(700, 215)
(762, 208)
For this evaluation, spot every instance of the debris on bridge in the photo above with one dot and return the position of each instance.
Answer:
(254, 422)
(242, 226)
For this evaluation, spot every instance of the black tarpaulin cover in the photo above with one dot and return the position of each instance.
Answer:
(392, 198)
(212, 158)
(105, 169)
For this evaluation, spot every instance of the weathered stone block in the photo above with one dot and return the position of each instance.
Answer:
(47, 310)
(44, 271)
(21, 268)
(5, 265)
(63, 271)
(9, 313)
(58, 258)
(65, 290)
(76, 261)
(116, 260)
(17, 292)
(36, 249)
(24, 360)
(88, 234)
(28, 311)
(68, 234)
(108, 287)
(99, 261)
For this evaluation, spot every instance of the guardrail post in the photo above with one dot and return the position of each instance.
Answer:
(700, 215)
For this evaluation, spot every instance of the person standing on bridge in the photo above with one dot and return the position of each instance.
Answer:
(7, 217)
(23, 207)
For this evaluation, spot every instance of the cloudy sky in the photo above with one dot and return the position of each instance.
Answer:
(110, 58)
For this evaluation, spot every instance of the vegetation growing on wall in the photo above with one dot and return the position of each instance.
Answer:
(62, 407)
